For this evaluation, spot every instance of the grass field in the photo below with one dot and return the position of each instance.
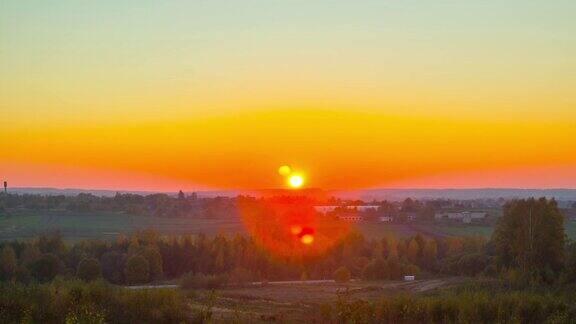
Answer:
(107, 225)
(75, 226)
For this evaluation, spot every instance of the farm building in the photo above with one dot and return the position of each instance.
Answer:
(465, 217)
(351, 217)
(327, 209)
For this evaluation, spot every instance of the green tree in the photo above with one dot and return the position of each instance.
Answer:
(113, 264)
(530, 236)
(8, 263)
(136, 270)
(46, 267)
(154, 259)
(89, 269)
(375, 270)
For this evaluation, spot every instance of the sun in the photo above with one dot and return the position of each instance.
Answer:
(296, 181)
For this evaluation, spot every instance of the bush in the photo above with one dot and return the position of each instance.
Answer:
(342, 275)
(453, 307)
(240, 276)
(95, 302)
(200, 280)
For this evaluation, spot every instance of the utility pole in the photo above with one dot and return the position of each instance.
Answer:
(5, 186)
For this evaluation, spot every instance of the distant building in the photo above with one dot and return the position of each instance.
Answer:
(386, 219)
(364, 208)
(351, 217)
(410, 217)
(465, 217)
(327, 209)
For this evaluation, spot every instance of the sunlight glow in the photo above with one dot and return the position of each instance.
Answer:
(296, 181)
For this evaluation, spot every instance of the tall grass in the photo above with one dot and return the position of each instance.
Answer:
(454, 307)
(98, 302)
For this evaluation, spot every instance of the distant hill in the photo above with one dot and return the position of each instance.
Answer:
(463, 194)
(111, 193)
(371, 194)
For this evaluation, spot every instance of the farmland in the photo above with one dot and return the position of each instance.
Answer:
(75, 226)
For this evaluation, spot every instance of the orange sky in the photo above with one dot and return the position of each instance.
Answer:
(334, 149)
(352, 94)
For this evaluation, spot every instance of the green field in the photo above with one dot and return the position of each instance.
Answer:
(107, 225)
(75, 225)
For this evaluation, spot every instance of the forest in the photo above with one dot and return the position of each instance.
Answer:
(528, 251)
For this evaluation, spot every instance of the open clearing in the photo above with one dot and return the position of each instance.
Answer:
(294, 301)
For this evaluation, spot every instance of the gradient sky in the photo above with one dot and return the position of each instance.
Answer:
(163, 95)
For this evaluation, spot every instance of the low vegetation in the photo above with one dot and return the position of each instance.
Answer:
(74, 301)
(469, 306)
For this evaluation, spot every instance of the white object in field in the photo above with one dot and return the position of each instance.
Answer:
(408, 278)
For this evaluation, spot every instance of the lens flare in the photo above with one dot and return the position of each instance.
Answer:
(284, 170)
(295, 229)
(307, 239)
(296, 181)
(290, 228)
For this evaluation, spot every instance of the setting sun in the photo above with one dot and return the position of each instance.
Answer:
(296, 181)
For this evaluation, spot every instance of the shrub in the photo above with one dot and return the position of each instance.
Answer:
(240, 276)
(342, 275)
(200, 280)
(94, 302)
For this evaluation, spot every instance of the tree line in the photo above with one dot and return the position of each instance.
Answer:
(528, 244)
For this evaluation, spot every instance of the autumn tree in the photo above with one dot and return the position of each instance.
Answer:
(413, 251)
(46, 267)
(429, 253)
(530, 236)
(8, 263)
(89, 269)
(136, 270)
(154, 259)
(342, 275)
